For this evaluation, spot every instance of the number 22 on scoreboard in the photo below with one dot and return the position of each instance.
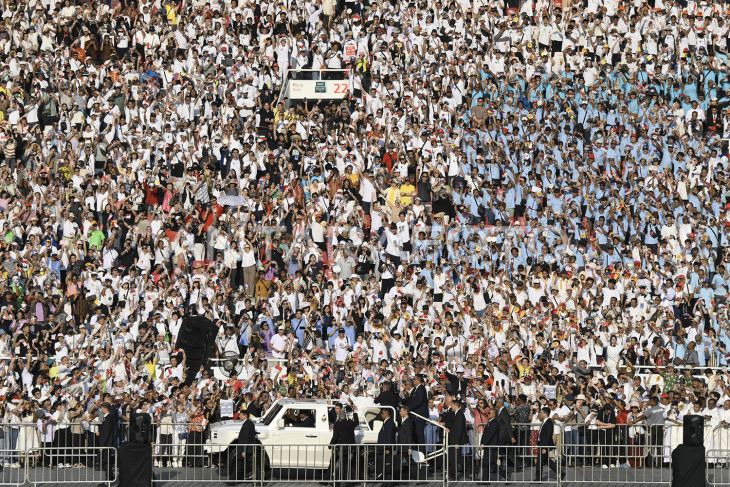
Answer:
(340, 88)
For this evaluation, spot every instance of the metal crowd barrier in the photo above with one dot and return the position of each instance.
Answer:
(300, 463)
(13, 474)
(623, 455)
(51, 465)
(716, 467)
(183, 462)
(505, 464)
(23, 436)
(385, 464)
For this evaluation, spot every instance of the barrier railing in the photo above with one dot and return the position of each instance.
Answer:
(300, 463)
(387, 465)
(23, 436)
(635, 454)
(192, 462)
(511, 464)
(716, 467)
(604, 460)
(52, 465)
(623, 455)
(347, 464)
(12, 474)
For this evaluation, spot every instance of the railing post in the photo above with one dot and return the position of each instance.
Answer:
(26, 461)
(561, 453)
(334, 462)
(262, 463)
(445, 476)
(113, 478)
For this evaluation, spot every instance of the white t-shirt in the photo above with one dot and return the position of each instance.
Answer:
(48, 435)
(279, 342)
(248, 259)
(393, 242)
(342, 348)
(367, 191)
(563, 411)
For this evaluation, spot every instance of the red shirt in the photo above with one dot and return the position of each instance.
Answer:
(208, 216)
(151, 196)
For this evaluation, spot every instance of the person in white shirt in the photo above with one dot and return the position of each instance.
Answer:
(342, 346)
(279, 344)
(368, 193)
(722, 435)
(47, 431)
(175, 369)
(228, 343)
(62, 437)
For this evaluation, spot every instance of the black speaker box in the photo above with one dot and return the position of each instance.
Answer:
(694, 430)
(135, 465)
(140, 428)
(196, 337)
(688, 466)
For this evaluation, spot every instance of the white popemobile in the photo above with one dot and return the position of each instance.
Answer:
(295, 432)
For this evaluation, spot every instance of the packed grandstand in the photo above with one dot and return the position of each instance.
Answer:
(523, 204)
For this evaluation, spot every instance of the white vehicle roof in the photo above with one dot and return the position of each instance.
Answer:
(359, 402)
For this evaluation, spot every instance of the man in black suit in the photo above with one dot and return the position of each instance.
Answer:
(107, 433)
(387, 397)
(334, 413)
(253, 409)
(406, 439)
(447, 416)
(387, 438)
(457, 438)
(388, 432)
(504, 420)
(343, 433)
(490, 440)
(417, 402)
(545, 444)
(241, 461)
(457, 384)
(407, 428)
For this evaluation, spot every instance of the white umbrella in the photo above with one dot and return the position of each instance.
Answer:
(231, 200)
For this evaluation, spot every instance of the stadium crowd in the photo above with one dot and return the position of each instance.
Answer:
(516, 202)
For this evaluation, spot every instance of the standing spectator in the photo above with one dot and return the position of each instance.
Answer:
(180, 420)
(196, 438)
(47, 430)
(654, 416)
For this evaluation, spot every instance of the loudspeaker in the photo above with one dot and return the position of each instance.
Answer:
(135, 465)
(140, 428)
(688, 466)
(196, 336)
(694, 430)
